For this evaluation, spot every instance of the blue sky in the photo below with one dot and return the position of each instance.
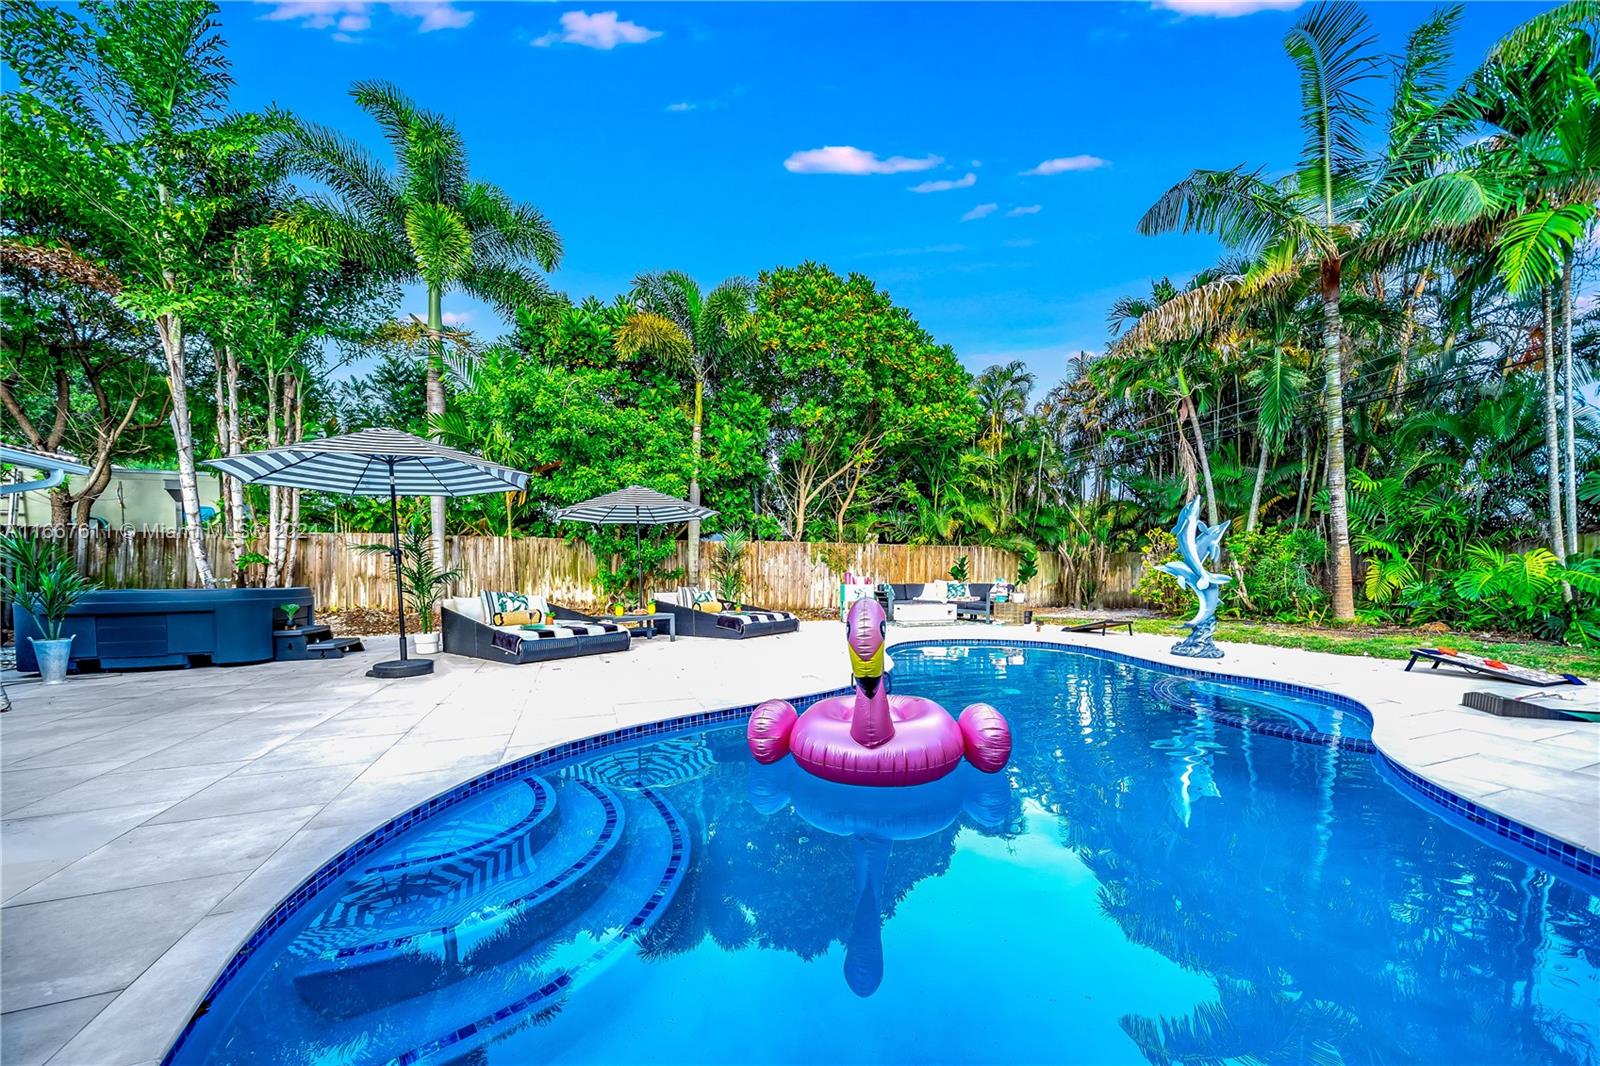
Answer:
(728, 138)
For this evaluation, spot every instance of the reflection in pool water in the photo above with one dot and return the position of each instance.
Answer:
(1139, 885)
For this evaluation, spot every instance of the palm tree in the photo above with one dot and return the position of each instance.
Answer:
(425, 221)
(701, 333)
(1527, 191)
(1003, 394)
(1303, 227)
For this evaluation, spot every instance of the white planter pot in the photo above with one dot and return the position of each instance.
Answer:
(53, 656)
(427, 643)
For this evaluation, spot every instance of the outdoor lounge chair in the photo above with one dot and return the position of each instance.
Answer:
(1476, 664)
(469, 629)
(1102, 627)
(730, 621)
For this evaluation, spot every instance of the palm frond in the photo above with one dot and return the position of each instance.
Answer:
(1532, 247)
(503, 228)
(427, 146)
(650, 331)
(1240, 208)
(1330, 44)
(505, 286)
(1533, 37)
(440, 241)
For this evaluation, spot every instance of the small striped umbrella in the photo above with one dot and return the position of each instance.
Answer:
(377, 462)
(634, 506)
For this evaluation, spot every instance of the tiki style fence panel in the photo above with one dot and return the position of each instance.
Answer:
(779, 574)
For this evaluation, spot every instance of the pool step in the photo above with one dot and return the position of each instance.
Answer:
(403, 888)
(513, 961)
(476, 931)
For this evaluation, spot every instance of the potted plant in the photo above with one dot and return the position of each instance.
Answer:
(44, 583)
(289, 611)
(423, 582)
(958, 572)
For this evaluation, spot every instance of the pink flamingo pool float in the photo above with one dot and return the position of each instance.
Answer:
(871, 737)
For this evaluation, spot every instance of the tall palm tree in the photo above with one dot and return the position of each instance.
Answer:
(703, 334)
(1303, 227)
(426, 221)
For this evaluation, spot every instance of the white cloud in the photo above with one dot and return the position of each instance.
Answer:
(845, 159)
(682, 105)
(347, 18)
(1066, 163)
(602, 30)
(1225, 9)
(1024, 209)
(946, 185)
(457, 319)
(433, 14)
(981, 211)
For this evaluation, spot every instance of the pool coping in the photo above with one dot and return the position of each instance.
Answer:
(1574, 861)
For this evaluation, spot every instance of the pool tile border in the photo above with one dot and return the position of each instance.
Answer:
(1569, 856)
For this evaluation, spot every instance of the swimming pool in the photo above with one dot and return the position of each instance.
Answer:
(1154, 878)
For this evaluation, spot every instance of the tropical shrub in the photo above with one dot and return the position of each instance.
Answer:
(1159, 590)
(958, 571)
(727, 568)
(1275, 571)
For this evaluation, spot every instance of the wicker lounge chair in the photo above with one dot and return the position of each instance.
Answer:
(469, 629)
(1500, 671)
(731, 621)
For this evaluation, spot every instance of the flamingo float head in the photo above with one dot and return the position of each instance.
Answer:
(864, 626)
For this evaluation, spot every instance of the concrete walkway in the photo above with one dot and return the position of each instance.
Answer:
(152, 820)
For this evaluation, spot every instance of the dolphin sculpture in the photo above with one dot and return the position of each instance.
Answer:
(1199, 545)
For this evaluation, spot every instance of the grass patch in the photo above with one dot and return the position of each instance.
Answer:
(1380, 643)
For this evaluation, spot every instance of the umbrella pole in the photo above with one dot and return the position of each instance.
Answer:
(638, 558)
(403, 666)
(399, 585)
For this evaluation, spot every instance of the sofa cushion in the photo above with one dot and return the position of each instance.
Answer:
(466, 606)
(934, 591)
(956, 590)
(923, 611)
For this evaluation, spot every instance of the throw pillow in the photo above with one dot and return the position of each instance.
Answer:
(709, 606)
(518, 618)
(956, 590)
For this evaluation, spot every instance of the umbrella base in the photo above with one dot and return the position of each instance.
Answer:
(401, 668)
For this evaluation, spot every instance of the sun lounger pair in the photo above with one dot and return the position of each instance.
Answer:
(1500, 671)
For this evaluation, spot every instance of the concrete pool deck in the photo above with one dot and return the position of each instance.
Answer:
(152, 820)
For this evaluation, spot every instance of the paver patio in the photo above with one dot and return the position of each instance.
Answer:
(152, 820)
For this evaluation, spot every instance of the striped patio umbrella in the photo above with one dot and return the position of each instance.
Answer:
(634, 506)
(377, 462)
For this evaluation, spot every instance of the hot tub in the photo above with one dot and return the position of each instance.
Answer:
(121, 629)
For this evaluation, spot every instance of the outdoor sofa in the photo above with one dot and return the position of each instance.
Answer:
(937, 601)
(469, 627)
(699, 613)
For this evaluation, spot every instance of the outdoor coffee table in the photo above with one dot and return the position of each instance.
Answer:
(649, 621)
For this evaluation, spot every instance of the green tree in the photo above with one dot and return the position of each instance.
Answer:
(857, 389)
(702, 334)
(426, 221)
(114, 130)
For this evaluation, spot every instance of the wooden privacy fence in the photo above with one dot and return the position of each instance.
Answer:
(778, 574)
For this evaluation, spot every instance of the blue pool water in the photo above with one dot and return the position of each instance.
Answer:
(1143, 883)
